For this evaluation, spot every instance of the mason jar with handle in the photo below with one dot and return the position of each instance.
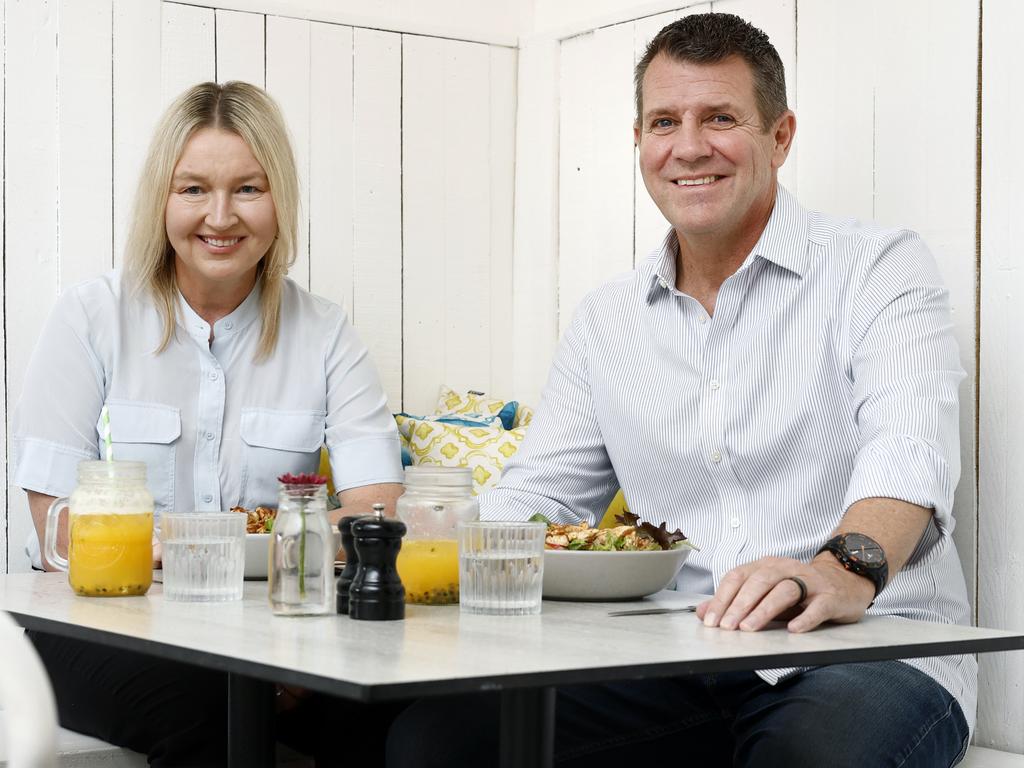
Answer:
(110, 523)
(435, 501)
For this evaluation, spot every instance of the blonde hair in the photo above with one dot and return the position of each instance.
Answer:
(249, 112)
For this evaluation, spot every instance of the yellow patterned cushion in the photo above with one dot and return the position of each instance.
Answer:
(450, 401)
(484, 449)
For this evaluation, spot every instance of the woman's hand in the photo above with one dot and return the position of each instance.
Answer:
(754, 594)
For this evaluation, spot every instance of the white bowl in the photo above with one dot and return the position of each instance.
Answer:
(580, 575)
(257, 546)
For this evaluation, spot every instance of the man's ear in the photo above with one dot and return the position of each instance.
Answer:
(636, 134)
(783, 133)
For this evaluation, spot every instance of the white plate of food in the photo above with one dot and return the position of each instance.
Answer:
(622, 563)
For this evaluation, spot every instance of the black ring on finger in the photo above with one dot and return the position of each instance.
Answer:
(800, 583)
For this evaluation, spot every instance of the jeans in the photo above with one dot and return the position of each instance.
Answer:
(870, 715)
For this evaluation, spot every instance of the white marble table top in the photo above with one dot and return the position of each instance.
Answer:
(437, 649)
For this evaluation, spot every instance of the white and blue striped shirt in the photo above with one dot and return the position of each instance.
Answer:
(827, 374)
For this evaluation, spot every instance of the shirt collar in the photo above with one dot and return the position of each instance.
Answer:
(783, 242)
(242, 316)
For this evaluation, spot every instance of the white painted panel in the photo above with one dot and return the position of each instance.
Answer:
(377, 175)
(424, 227)
(596, 163)
(85, 214)
(30, 150)
(487, 22)
(835, 115)
(137, 103)
(1001, 422)
(240, 47)
(649, 225)
(330, 169)
(446, 218)
(535, 243)
(501, 156)
(288, 81)
(777, 19)
(186, 48)
(3, 342)
(570, 17)
(925, 103)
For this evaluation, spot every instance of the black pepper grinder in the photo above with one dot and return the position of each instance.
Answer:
(376, 592)
(348, 573)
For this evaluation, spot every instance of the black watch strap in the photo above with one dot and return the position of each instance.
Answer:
(862, 555)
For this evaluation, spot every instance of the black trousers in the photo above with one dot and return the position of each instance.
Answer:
(176, 714)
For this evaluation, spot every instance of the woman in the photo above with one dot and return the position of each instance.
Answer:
(217, 371)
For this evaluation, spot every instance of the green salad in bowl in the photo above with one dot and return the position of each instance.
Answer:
(626, 562)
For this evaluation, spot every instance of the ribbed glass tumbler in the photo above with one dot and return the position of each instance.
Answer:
(501, 567)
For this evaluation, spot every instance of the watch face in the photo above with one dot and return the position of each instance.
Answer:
(865, 550)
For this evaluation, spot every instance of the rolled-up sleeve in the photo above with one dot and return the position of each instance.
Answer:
(361, 435)
(905, 370)
(54, 423)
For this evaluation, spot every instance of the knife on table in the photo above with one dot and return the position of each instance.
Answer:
(652, 611)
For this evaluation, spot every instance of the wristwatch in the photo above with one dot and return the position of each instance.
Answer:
(862, 555)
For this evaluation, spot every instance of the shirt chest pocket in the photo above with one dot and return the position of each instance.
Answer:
(146, 432)
(273, 443)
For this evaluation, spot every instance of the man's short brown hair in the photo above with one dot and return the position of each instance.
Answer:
(708, 38)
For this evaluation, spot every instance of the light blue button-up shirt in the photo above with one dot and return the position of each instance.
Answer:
(214, 428)
(827, 374)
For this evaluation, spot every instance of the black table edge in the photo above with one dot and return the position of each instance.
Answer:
(443, 686)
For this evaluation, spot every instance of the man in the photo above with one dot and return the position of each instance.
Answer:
(782, 386)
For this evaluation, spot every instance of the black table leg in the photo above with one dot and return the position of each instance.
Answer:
(527, 728)
(251, 742)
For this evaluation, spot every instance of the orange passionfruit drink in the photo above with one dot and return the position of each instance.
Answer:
(111, 554)
(429, 569)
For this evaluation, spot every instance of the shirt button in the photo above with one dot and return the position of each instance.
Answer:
(210, 435)
(663, 282)
(714, 384)
(716, 457)
(213, 375)
(702, 319)
(207, 497)
(735, 522)
(228, 325)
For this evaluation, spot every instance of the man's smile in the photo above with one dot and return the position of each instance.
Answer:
(700, 181)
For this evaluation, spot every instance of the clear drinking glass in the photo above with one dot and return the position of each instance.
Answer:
(203, 556)
(302, 550)
(501, 567)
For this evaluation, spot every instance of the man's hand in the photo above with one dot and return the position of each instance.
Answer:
(753, 594)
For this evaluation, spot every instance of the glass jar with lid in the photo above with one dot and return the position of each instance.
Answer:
(110, 528)
(436, 500)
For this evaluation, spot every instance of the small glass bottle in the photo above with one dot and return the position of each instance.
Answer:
(435, 501)
(301, 576)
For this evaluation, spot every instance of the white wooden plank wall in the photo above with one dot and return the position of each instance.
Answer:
(377, 181)
(331, 188)
(3, 326)
(88, 79)
(241, 46)
(288, 80)
(1001, 415)
(137, 103)
(32, 276)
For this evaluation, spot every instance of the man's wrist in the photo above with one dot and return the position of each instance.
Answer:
(858, 583)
